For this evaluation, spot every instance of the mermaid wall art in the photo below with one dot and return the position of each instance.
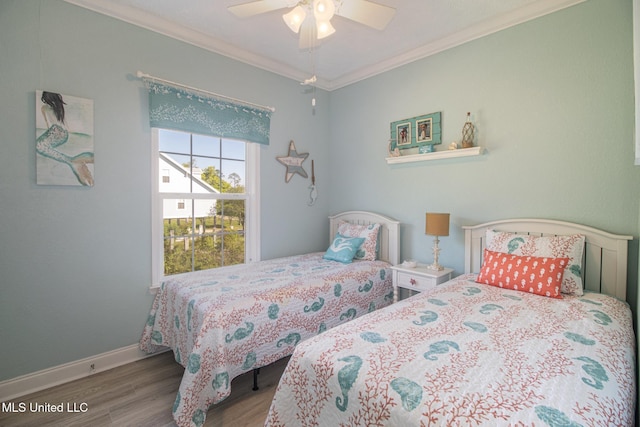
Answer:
(64, 139)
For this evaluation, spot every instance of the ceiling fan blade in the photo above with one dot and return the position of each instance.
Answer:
(368, 13)
(253, 8)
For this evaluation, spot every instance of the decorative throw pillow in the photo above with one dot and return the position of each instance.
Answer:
(536, 275)
(343, 248)
(369, 248)
(570, 246)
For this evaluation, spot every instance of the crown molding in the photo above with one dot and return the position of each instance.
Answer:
(471, 33)
(212, 44)
(170, 29)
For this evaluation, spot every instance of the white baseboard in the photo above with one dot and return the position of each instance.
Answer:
(30, 383)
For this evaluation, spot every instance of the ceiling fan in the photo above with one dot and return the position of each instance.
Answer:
(312, 18)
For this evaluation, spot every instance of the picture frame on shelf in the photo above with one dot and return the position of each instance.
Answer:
(417, 132)
(423, 130)
(403, 133)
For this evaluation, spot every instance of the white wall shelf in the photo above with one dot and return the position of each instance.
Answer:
(436, 155)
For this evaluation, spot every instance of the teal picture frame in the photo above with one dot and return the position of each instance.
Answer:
(417, 131)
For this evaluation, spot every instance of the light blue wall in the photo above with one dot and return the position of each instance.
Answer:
(75, 262)
(552, 100)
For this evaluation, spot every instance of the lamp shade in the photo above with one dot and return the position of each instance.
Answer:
(323, 10)
(325, 29)
(437, 224)
(295, 18)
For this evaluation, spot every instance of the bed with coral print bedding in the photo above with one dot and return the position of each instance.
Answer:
(467, 354)
(224, 322)
(545, 339)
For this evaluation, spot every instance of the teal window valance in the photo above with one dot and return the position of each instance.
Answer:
(177, 107)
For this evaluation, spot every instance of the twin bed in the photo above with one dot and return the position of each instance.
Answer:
(525, 347)
(225, 322)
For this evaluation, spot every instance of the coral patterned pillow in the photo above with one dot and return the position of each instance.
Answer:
(369, 248)
(544, 246)
(536, 275)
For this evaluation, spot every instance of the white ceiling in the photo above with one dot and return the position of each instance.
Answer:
(419, 28)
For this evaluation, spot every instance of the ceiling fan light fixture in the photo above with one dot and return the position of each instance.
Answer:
(294, 18)
(324, 29)
(323, 10)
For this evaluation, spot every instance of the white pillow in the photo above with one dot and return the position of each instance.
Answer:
(570, 247)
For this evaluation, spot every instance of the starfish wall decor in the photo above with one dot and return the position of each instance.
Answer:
(293, 162)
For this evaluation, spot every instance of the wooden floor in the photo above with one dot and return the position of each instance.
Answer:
(142, 394)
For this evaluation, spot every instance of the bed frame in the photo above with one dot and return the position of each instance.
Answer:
(389, 234)
(604, 259)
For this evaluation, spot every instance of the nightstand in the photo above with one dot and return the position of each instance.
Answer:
(418, 279)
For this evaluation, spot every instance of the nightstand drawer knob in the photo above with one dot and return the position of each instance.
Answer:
(413, 281)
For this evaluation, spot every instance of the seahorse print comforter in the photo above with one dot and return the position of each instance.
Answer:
(467, 354)
(224, 322)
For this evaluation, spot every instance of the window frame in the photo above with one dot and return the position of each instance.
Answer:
(252, 208)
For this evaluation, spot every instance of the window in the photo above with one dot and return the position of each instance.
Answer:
(205, 202)
(205, 205)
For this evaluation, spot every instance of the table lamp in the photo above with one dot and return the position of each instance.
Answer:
(436, 224)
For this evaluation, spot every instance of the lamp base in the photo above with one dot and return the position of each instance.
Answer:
(436, 267)
(436, 251)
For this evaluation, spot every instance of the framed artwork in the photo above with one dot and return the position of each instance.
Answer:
(403, 131)
(423, 129)
(64, 139)
(417, 132)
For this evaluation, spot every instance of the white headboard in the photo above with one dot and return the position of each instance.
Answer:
(389, 234)
(604, 264)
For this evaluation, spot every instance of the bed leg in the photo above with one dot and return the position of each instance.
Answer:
(255, 379)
